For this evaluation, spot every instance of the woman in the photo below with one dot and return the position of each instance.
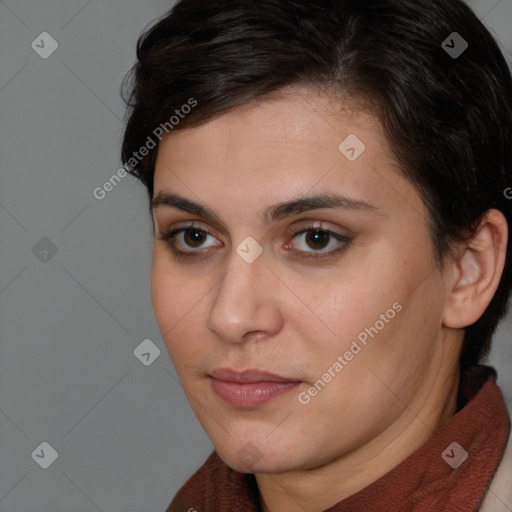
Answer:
(328, 187)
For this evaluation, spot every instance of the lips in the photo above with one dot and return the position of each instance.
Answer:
(248, 376)
(249, 388)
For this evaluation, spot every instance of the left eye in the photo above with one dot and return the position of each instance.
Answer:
(319, 240)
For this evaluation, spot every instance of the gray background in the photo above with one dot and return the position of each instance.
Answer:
(125, 435)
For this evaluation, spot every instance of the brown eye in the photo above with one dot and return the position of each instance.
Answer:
(194, 237)
(188, 240)
(318, 239)
(316, 242)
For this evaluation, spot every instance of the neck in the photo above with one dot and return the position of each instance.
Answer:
(315, 490)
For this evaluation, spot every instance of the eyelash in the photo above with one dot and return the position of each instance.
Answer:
(179, 254)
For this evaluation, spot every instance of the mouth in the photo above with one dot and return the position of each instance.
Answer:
(249, 388)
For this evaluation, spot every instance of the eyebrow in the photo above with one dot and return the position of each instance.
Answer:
(277, 212)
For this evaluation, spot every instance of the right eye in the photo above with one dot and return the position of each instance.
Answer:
(182, 241)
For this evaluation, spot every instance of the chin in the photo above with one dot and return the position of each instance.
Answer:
(248, 458)
(256, 464)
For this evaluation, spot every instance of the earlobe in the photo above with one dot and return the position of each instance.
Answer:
(478, 270)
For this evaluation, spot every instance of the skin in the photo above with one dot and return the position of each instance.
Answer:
(294, 316)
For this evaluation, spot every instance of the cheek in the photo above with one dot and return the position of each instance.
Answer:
(163, 297)
(172, 297)
(346, 306)
(375, 314)
(173, 292)
(180, 305)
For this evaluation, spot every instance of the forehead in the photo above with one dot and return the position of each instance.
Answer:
(289, 145)
(288, 112)
(287, 127)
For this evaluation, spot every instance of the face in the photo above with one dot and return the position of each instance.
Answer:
(277, 250)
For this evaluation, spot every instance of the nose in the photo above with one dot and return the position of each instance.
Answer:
(247, 303)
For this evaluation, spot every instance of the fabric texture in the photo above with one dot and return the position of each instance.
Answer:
(499, 495)
(424, 481)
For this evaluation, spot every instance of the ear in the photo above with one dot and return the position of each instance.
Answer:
(477, 270)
